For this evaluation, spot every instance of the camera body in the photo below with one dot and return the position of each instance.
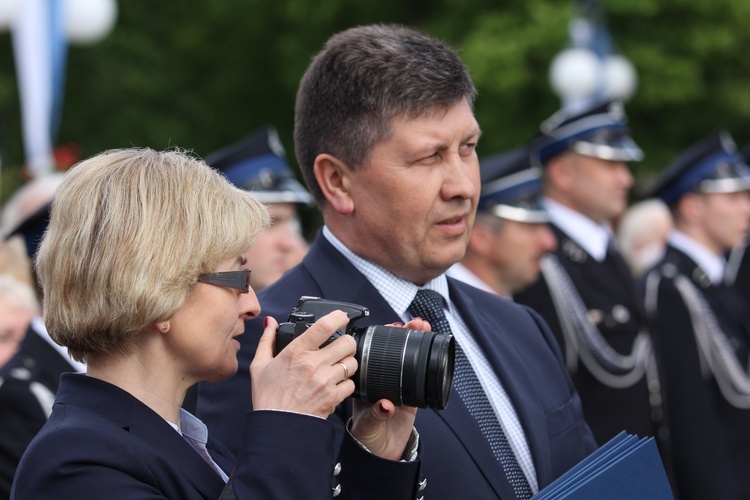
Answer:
(407, 367)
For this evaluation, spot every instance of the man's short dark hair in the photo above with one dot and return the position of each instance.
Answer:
(363, 78)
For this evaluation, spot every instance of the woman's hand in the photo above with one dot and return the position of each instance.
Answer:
(304, 378)
(384, 428)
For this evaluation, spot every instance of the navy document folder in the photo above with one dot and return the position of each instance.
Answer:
(625, 468)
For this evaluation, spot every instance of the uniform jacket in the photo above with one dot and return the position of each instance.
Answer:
(738, 273)
(613, 303)
(100, 441)
(710, 437)
(28, 383)
(457, 461)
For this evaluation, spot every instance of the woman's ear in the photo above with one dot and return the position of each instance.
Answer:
(334, 179)
(162, 326)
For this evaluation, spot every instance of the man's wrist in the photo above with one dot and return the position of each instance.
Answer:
(410, 450)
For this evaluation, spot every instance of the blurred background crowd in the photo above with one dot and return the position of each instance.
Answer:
(201, 74)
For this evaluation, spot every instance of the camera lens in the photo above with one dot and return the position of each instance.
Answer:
(407, 367)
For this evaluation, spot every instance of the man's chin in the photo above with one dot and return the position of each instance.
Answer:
(444, 262)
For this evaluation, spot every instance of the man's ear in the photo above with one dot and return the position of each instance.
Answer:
(481, 240)
(557, 171)
(690, 207)
(334, 179)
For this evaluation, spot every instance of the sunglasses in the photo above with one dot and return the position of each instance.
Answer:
(232, 279)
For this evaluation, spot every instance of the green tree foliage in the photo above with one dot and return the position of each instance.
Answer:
(201, 74)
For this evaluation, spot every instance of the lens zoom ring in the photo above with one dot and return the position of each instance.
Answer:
(383, 377)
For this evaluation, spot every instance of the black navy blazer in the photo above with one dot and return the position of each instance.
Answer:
(605, 288)
(710, 437)
(100, 441)
(32, 373)
(457, 460)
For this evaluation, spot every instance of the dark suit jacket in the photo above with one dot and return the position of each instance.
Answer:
(34, 369)
(457, 460)
(710, 437)
(100, 441)
(605, 288)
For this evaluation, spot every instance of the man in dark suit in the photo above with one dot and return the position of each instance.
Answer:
(385, 135)
(701, 325)
(586, 292)
(29, 380)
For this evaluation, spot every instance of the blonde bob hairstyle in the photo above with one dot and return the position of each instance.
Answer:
(130, 231)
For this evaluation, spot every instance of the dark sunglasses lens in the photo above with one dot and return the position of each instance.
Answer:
(233, 279)
(241, 280)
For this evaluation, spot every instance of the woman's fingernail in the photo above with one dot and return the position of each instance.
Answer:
(265, 322)
(383, 408)
(398, 323)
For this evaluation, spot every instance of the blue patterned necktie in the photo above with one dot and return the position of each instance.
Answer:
(428, 305)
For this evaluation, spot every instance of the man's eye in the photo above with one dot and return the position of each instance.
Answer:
(430, 158)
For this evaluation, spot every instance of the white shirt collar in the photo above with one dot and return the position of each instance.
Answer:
(398, 292)
(191, 426)
(591, 236)
(195, 432)
(460, 272)
(710, 263)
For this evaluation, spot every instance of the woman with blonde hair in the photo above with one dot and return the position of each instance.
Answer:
(144, 279)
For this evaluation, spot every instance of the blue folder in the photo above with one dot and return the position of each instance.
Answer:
(624, 468)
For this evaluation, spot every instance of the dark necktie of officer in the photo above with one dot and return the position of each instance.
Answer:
(428, 305)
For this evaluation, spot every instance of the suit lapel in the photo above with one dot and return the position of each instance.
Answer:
(514, 376)
(338, 279)
(458, 419)
(180, 461)
(175, 450)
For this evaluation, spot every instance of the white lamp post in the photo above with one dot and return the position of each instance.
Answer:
(41, 31)
(89, 21)
(588, 68)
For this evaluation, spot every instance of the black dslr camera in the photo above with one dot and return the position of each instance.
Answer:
(407, 367)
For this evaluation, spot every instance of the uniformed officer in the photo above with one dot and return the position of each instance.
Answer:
(257, 163)
(510, 234)
(702, 326)
(587, 293)
(738, 263)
